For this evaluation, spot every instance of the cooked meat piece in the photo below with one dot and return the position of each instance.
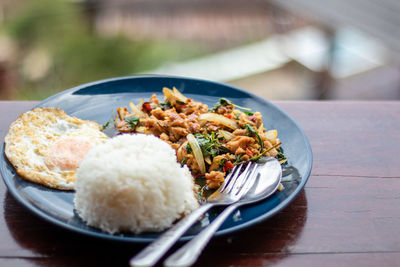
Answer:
(158, 113)
(172, 115)
(213, 128)
(188, 110)
(120, 123)
(217, 162)
(156, 126)
(258, 119)
(175, 119)
(179, 123)
(245, 157)
(193, 118)
(240, 132)
(175, 133)
(192, 106)
(276, 141)
(253, 150)
(268, 144)
(221, 110)
(191, 162)
(123, 126)
(154, 101)
(164, 137)
(194, 127)
(214, 179)
(181, 152)
(174, 145)
(243, 119)
(239, 142)
(225, 109)
(240, 151)
(272, 152)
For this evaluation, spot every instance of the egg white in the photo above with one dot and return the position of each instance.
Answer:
(31, 143)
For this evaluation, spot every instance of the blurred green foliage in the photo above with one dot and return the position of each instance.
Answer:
(76, 54)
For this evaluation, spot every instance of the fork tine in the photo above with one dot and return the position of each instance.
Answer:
(232, 179)
(248, 183)
(241, 179)
(237, 179)
(228, 178)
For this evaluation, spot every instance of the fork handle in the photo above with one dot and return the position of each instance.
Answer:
(153, 252)
(188, 254)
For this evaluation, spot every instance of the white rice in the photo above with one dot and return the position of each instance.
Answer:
(133, 183)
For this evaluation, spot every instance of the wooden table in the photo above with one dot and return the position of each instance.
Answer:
(347, 215)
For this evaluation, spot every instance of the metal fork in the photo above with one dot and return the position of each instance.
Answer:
(268, 179)
(236, 185)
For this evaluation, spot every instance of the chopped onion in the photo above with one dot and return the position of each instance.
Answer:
(280, 187)
(169, 95)
(120, 112)
(178, 95)
(219, 119)
(142, 129)
(271, 134)
(208, 160)
(198, 155)
(140, 104)
(137, 111)
(227, 135)
(260, 129)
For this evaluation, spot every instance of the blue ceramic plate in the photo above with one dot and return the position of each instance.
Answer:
(98, 100)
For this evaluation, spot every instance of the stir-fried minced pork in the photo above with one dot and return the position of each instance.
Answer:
(214, 178)
(224, 136)
(239, 143)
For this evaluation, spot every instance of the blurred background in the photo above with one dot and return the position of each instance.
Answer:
(280, 50)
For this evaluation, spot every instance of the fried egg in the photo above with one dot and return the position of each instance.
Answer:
(46, 146)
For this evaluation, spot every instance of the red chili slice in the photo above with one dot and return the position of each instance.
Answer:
(228, 166)
(252, 118)
(146, 107)
(249, 152)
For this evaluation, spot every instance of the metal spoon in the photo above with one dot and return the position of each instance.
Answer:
(268, 178)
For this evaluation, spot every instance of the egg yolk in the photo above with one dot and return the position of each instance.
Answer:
(67, 154)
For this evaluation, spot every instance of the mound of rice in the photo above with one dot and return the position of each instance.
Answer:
(133, 183)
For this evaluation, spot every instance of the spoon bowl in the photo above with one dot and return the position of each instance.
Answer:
(269, 175)
(267, 180)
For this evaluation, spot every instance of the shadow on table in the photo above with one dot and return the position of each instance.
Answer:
(262, 244)
(55, 246)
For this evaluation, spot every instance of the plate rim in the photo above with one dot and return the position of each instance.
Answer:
(137, 239)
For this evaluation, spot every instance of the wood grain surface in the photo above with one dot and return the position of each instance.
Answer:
(347, 215)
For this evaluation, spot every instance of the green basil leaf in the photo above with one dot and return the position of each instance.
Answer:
(251, 130)
(132, 120)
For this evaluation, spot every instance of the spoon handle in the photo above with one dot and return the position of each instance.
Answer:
(153, 252)
(188, 254)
